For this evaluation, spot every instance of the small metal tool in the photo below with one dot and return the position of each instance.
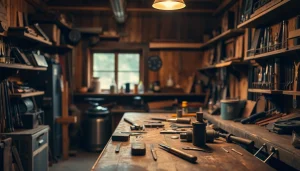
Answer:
(236, 152)
(196, 149)
(153, 152)
(118, 148)
(179, 153)
(264, 146)
(134, 126)
(225, 150)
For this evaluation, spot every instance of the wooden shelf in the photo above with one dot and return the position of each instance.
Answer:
(108, 37)
(174, 45)
(31, 94)
(143, 95)
(277, 13)
(260, 135)
(23, 67)
(297, 93)
(223, 36)
(264, 91)
(276, 53)
(46, 19)
(61, 49)
(223, 64)
(19, 34)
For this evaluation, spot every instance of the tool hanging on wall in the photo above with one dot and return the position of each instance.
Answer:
(295, 86)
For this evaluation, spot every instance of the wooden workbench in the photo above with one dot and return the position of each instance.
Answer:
(218, 160)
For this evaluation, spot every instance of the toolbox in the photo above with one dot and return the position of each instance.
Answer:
(32, 145)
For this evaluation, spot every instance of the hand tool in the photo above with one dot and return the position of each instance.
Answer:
(153, 121)
(295, 86)
(153, 152)
(231, 138)
(171, 132)
(256, 116)
(236, 152)
(179, 153)
(142, 132)
(290, 85)
(225, 150)
(154, 125)
(265, 77)
(196, 149)
(277, 74)
(17, 158)
(176, 120)
(184, 115)
(176, 126)
(186, 136)
(117, 150)
(134, 126)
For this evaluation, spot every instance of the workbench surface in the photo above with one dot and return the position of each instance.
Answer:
(217, 160)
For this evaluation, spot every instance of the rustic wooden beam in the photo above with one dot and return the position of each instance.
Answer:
(174, 45)
(92, 8)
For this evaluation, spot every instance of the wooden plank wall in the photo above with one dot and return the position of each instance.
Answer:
(147, 27)
(13, 6)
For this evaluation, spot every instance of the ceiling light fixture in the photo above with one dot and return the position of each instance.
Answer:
(168, 4)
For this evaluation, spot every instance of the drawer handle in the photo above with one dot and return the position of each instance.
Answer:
(41, 142)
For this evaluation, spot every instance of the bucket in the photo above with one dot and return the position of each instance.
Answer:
(231, 109)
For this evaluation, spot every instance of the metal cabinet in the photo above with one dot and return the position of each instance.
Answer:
(32, 145)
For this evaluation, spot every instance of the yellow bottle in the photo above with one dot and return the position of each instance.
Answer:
(184, 106)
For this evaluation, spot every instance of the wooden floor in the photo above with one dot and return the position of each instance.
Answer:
(218, 160)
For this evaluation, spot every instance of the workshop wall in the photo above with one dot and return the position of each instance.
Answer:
(148, 27)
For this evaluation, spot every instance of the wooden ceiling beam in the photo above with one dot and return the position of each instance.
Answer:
(128, 9)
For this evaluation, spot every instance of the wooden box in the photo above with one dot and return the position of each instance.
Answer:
(32, 145)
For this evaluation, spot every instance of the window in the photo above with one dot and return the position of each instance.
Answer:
(121, 67)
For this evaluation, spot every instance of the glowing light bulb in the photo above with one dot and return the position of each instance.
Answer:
(169, 4)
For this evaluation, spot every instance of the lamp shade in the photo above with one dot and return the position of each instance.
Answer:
(168, 4)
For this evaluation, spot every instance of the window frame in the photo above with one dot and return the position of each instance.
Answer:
(105, 46)
(116, 67)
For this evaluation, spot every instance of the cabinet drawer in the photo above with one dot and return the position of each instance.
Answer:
(39, 141)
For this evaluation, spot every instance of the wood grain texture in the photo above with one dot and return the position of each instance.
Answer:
(148, 27)
(217, 160)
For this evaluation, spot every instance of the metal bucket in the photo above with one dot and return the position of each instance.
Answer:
(231, 109)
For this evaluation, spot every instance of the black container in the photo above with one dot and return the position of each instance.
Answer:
(199, 131)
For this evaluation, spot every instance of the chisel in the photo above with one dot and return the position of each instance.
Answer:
(176, 120)
(179, 153)
(256, 116)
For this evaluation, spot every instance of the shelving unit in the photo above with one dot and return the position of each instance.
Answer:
(22, 67)
(283, 10)
(264, 91)
(48, 19)
(145, 94)
(19, 34)
(226, 35)
(31, 94)
(277, 53)
(297, 93)
(61, 49)
(174, 45)
(223, 64)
